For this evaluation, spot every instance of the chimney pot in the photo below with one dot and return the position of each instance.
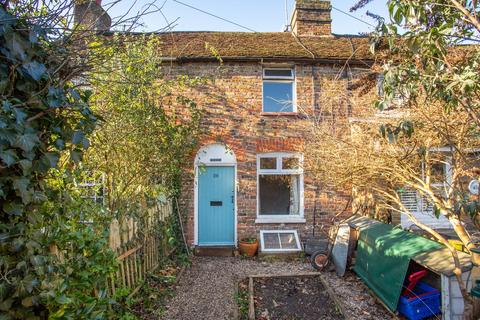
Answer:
(312, 18)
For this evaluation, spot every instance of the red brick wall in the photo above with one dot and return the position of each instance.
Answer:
(312, 18)
(232, 102)
(305, 28)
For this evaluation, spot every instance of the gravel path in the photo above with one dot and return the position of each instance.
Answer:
(206, 289)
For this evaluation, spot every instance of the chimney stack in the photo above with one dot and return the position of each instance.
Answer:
(91, 16)
(312, 18)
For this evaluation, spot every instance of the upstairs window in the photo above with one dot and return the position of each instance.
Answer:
(278, 90)
(398, 98)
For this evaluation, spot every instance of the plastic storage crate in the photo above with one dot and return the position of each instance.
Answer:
(423, 303)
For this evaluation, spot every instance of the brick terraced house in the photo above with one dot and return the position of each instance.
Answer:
(247, 178)
(262, 95)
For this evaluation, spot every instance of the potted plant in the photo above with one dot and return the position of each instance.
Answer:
(248, 246)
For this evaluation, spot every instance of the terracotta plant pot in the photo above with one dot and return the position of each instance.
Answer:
(248, 247)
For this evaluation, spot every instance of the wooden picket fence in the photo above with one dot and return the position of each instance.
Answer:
(140, 245)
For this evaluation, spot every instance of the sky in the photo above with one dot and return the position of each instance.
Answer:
(257, 15)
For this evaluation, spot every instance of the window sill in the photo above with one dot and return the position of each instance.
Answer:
(270, 114)
(280, 220)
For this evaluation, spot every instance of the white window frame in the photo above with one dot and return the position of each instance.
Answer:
(281, 218)
(281, 79)
(91, 183)
(422, 204)
(295, 233)
(423, 210)
(398, 100)
(447, 177)
(292, 77)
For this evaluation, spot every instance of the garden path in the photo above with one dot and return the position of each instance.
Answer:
(205, 291)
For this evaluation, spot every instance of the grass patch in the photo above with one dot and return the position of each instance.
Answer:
(242, 298)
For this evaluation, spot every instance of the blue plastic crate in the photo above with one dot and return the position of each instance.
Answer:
(423, 304)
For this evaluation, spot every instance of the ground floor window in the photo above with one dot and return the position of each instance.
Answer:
(93, 187)
(280, 185)
(279, 194)
(279, 240)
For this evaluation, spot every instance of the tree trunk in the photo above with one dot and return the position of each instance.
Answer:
(458, 227)
(464, 237)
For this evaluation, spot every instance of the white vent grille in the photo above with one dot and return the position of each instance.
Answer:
(427, 206)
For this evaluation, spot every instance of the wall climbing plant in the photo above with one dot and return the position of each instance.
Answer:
(146, 135)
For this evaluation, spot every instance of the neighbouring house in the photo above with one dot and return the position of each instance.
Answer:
(247, 176)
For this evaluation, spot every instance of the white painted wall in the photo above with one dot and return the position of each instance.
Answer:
(452, 300)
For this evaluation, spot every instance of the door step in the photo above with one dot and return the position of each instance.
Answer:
(214, 251)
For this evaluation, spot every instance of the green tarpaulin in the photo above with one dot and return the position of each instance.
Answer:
(383, 256)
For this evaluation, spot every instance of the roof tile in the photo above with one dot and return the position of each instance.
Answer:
(194, 45)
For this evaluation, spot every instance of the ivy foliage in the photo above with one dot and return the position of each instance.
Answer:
(149, 126)
(51, 263)
(55, 261)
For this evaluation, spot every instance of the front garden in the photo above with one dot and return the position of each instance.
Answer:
(92, 150)
(218, 288)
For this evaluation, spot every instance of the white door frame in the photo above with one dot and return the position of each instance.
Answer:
(215, 155)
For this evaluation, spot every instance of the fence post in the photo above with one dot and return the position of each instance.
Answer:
(137, 255)
(114, 243)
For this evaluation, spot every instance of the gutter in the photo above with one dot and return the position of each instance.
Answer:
(368, 62)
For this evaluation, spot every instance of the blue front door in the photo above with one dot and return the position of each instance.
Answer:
(216, 208)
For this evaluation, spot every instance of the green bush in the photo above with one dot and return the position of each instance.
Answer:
(44, 124)
(55, 263)
(80, 291)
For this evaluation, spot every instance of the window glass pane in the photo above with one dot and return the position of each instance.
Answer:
(279, 73)
(277, 96)
(268, 163)
(288, 241)
(290, 163)
(380, 79)
(437, 172)
(280, 241)
(279, 194)
(270, 241)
